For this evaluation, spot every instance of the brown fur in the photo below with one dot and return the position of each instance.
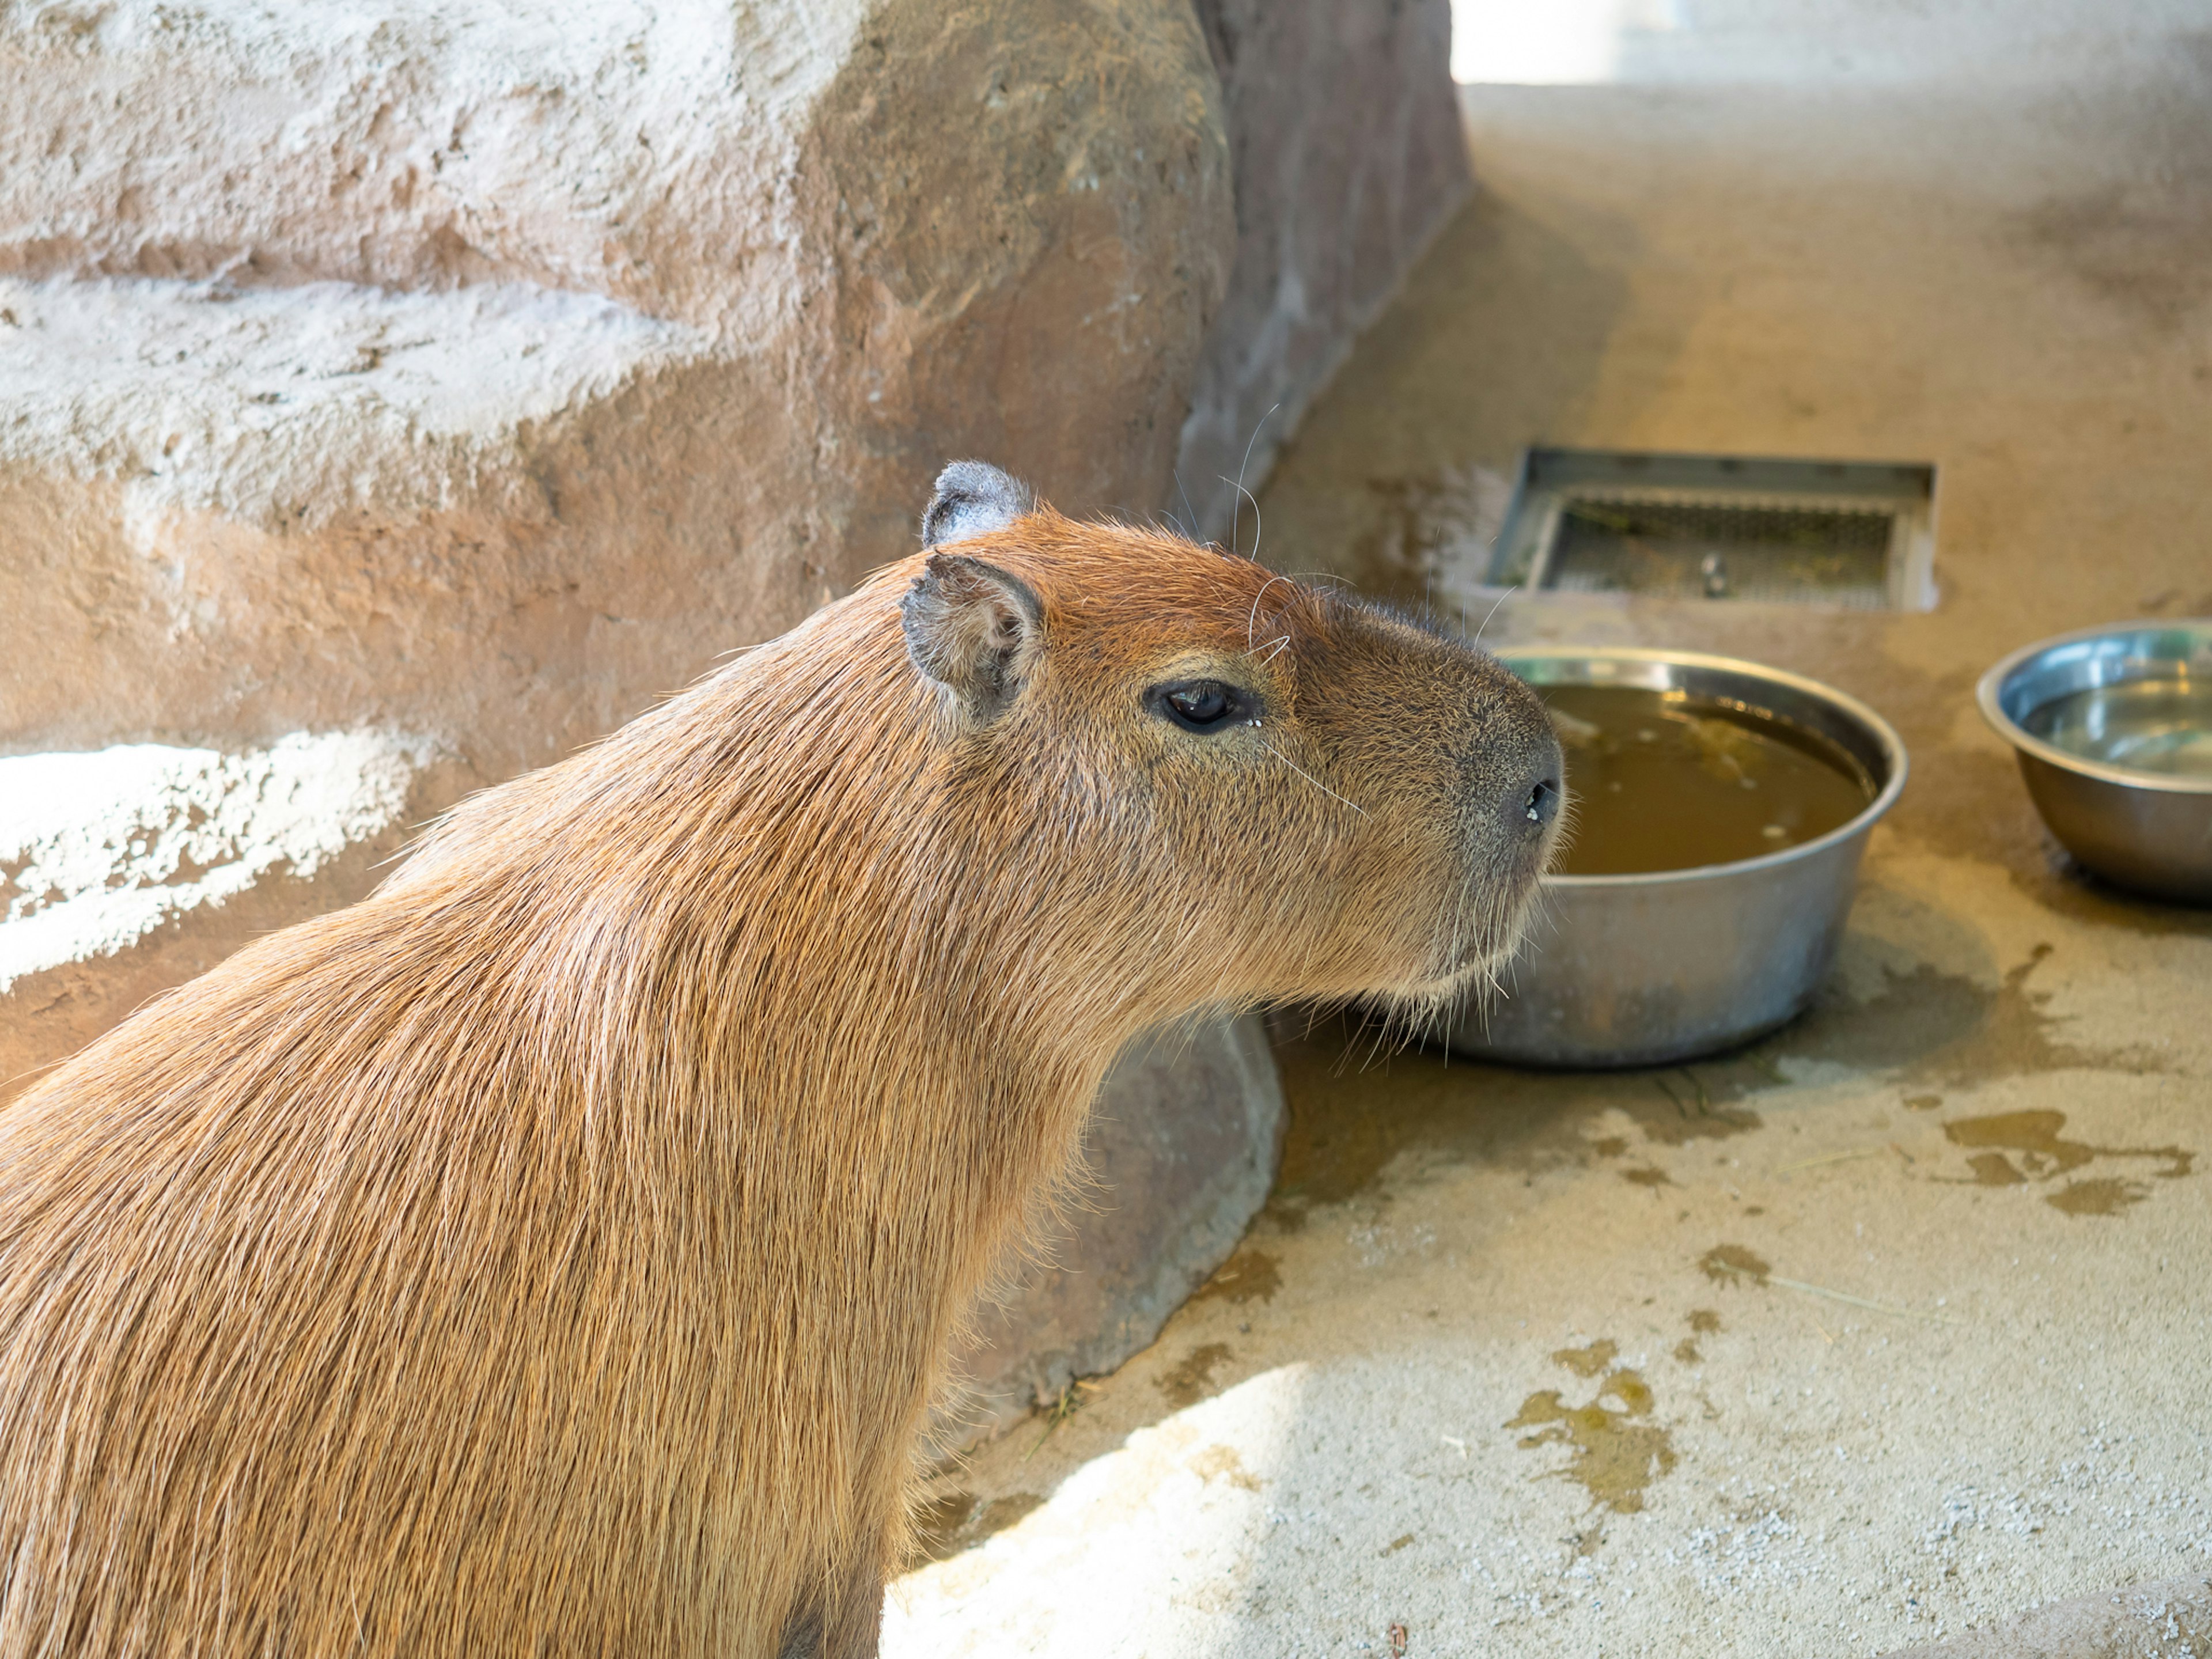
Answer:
(556, 1252)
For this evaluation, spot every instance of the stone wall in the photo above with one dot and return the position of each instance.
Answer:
(471, 377)
(1344, 127)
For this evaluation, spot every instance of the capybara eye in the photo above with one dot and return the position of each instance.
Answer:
(1203, 706)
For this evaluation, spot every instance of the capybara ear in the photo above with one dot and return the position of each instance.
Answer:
(972, 498)
(975, 629)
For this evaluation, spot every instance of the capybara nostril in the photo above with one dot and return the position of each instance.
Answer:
(1542, 805)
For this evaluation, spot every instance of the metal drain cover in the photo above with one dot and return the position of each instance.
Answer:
(1855, 535)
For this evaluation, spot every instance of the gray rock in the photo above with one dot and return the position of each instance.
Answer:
(2168, 1619)
(1349, 156)
(1182, 1151)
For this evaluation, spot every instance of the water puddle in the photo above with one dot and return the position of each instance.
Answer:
(1702, 1322)
(1221, 1463)
(951, 1521)
(1728, 1264)
(1193, 1379)
(1248, 1275)
(1355, 1107)
(2018, 1149)
(1586, 1362)
(1615, 1454)
(1952, 1031)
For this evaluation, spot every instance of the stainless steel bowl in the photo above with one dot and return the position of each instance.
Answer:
(1651, 969)
(2151, 831)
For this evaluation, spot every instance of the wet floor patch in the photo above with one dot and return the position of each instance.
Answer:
(2062, 886)
(1702, 1321)
(1953, 1031)
(1699, 1103)
(1732, 1264)
(2018, 1149)
(949, 1522)
(1249, 1275)
(1614, 1452)
(1223, 1463)
(2104, 1195)
(1357, 1106)
(1587, 1362)
(1192, 1380)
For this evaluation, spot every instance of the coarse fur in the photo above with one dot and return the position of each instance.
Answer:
(556, 1252)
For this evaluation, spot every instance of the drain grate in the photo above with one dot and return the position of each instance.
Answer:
(1844, 534)
(1718, 549)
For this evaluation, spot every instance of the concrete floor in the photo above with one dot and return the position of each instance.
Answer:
(1898, 1323)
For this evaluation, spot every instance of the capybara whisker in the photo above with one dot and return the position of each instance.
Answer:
(1312, 780)
(1252, 621)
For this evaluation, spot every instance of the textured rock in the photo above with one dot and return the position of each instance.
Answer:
(1181, 1154)
(128, 870)
(480, 373)
(2171, 1619)
(1349, 155)
(100, 849)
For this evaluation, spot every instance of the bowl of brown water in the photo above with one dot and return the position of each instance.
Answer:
(1718, 812)
(2113, 729)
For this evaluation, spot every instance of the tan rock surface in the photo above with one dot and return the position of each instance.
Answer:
(481, 374)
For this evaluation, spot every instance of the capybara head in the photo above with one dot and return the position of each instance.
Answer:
(1248, 787)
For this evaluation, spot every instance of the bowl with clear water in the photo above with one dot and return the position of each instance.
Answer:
(1720, 809)
(2113, 729)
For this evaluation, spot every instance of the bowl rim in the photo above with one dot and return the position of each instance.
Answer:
(1885, 735)
(1986, 690)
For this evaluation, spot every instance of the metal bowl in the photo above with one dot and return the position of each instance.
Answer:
(2151, 831)
(1655, 969)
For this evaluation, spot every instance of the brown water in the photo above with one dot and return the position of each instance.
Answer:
(2152, 726)
(1663, 782)
(1614, 1457)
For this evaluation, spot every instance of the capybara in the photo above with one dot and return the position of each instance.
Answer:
(556, 1252)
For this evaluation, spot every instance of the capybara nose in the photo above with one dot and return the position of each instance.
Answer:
(1542, 806)
(1532, 809)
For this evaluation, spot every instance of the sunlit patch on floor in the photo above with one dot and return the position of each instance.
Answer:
(949, 1522)
(1150, 1547)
